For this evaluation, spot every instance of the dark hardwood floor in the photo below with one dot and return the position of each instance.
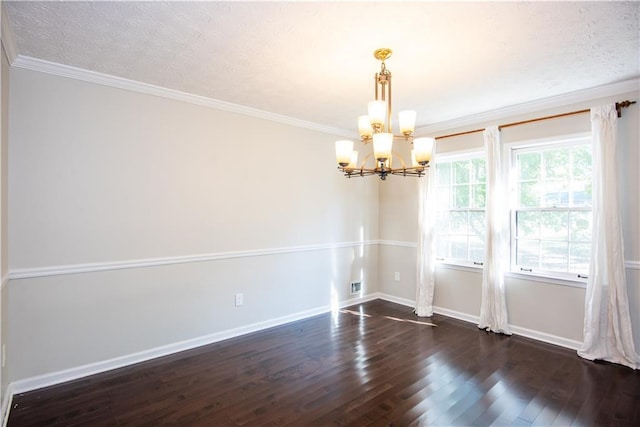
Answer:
(373, 364)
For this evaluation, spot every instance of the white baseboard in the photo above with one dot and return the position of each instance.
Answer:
(58, 377)
(517, 330)
(548, 338)
(6, 404)
(397, 300)
(471, 318)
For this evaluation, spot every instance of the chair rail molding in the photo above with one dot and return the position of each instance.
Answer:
(28, 273)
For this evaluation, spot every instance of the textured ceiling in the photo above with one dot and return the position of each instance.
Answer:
(313, 60)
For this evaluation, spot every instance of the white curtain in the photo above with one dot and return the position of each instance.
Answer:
(493, 307)
(426, 263)
(607, 325)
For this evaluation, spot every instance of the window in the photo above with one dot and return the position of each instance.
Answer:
(551, 209)
(461, 197)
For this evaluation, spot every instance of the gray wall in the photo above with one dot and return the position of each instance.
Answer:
(110, 190)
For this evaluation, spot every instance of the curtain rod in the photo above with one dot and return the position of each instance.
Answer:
(619, 107)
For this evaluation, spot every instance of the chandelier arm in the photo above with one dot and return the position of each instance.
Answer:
(365, 160)
(395, 153)
(355, 173)
(367, 171)
(414, 171)
(383, 172)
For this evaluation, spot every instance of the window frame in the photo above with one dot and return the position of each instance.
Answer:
(477, 153)
(511, 150)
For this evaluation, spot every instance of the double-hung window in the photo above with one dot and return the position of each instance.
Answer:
(461, 200)
(551, 208)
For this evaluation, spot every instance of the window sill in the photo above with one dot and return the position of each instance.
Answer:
(516, 275)
(577, 283)
(461, 267)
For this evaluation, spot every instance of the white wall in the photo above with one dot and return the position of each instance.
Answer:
(4, 252)
(546, 310)
(101, 175)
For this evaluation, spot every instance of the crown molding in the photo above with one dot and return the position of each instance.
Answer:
(563, 100)
(8, 40)
(34, 64)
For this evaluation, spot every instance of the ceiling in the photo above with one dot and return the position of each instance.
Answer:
(313, 60)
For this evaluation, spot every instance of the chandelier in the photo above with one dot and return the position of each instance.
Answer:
(376, 127)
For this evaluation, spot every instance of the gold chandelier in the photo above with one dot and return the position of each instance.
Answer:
(376, 127)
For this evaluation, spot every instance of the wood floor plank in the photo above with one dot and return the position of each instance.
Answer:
(373, 364)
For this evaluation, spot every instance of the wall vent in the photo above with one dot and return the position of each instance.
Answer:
(356, 287)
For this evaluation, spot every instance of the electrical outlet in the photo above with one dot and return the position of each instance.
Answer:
(239, 300)
(397, 276)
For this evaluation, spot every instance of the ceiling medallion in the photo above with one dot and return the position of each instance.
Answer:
(376, 127)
